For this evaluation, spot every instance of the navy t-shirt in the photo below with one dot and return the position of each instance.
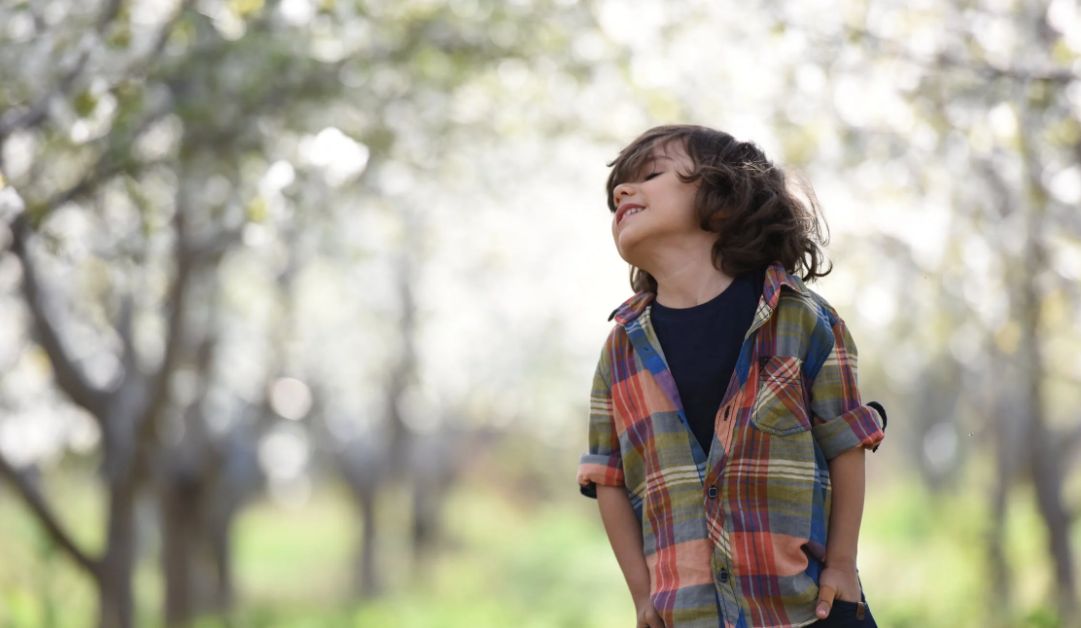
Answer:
(701, 344)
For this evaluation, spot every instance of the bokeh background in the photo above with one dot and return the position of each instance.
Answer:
(301, 299)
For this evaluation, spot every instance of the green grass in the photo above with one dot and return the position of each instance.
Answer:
(513, 562)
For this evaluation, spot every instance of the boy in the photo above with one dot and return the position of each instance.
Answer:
(729, 467)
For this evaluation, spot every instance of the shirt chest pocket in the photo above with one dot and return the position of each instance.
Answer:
(780, 407)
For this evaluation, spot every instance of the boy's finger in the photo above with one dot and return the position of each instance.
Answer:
(826, 594)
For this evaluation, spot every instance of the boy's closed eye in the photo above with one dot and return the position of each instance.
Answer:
(649, 176)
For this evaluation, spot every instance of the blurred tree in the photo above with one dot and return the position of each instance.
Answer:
(990, 95)
(158, 128)
(176, 118)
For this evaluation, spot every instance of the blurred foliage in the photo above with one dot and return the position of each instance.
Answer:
(377, 167)
(543, 563)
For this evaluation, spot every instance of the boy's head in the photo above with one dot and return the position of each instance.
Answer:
(693, 182)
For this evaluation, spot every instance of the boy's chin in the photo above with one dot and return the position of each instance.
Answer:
(631, 249)
(627, 243)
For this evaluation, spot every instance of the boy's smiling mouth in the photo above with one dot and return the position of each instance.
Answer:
(627, 210)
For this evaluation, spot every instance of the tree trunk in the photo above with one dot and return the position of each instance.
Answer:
(1045, 474)
(116, 602)
(426, 524)
(1000, 584)
(366, 584)
(198, 510)
(221, 541)
(179, 551)
(1046, 478)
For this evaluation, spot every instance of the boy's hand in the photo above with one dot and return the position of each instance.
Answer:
(836, 583)
(648, 617)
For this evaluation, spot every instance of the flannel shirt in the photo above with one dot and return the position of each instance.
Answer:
(734, 537)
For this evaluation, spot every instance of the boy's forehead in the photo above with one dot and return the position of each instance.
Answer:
(671, 150)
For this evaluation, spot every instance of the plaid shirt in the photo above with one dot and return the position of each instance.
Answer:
(734, 537)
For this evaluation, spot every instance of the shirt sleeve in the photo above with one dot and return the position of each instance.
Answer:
(603, 463)
(840, 420)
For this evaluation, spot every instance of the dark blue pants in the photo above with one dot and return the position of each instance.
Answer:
(845, 614)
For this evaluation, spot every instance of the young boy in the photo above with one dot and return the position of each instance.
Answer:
(729, 467)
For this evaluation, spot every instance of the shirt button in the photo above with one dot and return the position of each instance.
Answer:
(712, 492)
(724, 575)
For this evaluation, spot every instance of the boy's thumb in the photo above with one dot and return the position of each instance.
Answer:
(825, 600)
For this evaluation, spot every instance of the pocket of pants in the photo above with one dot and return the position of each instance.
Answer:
(845, 613)
(779, 405)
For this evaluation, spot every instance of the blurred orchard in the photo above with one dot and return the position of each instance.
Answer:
(301, 298)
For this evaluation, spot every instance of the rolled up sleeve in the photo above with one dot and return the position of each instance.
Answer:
(603, 463)
(840, 420)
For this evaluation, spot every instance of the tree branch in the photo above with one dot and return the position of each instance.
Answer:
(178, 297)
(34, 115)
(943, 59)
(210, 249)
(33, 498)
(123, 327)
(104, 169)
(68, 377)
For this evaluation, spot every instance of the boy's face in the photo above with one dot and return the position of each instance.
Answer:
(666, 216)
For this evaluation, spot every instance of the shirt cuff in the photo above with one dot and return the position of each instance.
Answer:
(862, 426)
(596, 469)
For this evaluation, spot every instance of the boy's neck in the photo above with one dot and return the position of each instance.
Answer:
(691, 287)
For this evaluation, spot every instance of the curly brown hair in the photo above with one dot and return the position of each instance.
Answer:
(743, 198)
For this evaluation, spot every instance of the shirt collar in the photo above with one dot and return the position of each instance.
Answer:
(776, 276)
